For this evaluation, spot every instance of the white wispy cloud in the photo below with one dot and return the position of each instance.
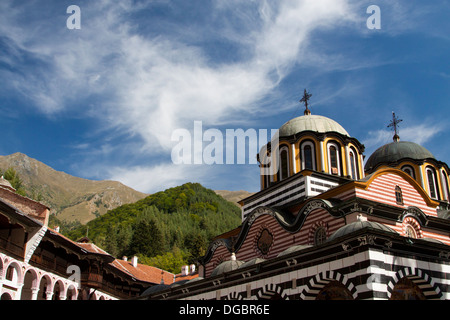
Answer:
(421, 133)
(147, 85)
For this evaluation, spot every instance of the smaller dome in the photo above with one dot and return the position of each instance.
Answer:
(358, 225)
(433, 240)
(444, 214)
(226, 266)
(293, 249)
(178, 283)
(195, 279)
(314, 123)
(156, 288)
(252, 262)
(395, 151)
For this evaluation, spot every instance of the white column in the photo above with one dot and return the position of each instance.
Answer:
(49, 295)
(18, 292)
(34, 293)
(422, 182)
(347, 160)
(363, 173)
(322, 156)
(294, 164)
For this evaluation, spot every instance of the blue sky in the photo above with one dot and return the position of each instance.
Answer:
(102, 102)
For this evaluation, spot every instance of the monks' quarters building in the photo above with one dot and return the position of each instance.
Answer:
(328, 227)
(38, 263)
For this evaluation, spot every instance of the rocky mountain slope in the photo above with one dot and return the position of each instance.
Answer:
(70, 198)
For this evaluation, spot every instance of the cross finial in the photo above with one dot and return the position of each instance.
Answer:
(394, 124)
(305, 98)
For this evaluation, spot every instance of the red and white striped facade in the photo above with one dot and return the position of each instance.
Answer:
(329, 230)
(378, 188)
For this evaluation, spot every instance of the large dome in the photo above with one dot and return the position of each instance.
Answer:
(314, 123)
(396, 151)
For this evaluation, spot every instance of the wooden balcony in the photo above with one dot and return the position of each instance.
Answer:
(92, 280)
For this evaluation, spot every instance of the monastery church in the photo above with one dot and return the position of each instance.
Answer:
(326, 226)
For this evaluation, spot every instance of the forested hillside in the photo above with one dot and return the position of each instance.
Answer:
(166, 229)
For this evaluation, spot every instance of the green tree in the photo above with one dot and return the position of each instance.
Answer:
(196, 244)
(123, 238)
(110, 242)
(16, 182)
(171, 261)
(146, 239)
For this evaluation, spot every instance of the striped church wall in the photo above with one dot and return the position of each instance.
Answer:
(220, 254)
(370, 274)
(249, 248)
(282, 239)
(318, 218)
(382, 189)
(423, 232)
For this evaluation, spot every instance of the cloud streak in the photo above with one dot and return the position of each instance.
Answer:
(144, 78)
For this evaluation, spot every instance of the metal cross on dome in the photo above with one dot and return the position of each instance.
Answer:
(305, 98)
(394, 124)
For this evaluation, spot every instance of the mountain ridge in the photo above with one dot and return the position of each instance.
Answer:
(69, 198)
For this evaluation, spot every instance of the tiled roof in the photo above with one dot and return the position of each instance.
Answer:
(144, 272)
(91, 248)
(141, 272)
(180, 277)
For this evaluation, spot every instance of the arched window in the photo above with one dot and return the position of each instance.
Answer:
(409, 170)
(405, 289)
(320, 235)
(284, 163)
(398, 195)
(12, 274)
(410, 232)
(333, 159)
(307, 156)
(432, 183)
(354, 170)
(334, 290)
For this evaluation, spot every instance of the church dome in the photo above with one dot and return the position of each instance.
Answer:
(396, 151)
(314, 123)
(293, 249)
(227, 266)
(358, 225)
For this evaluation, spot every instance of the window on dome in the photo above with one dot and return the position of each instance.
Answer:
(308, 160)
(353, 165)
(409, 170)
(333, 159)
(398, 195)
(284, 163)
(432, 183)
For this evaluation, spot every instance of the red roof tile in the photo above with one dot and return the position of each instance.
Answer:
(144, 272)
